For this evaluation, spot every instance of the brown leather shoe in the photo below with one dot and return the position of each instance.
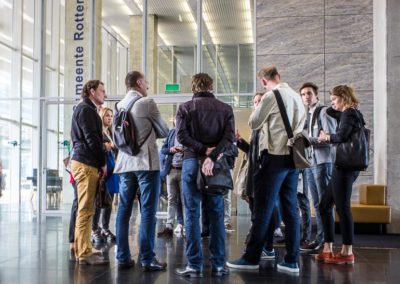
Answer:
(341, 259)
(93, 260)
(324, 256)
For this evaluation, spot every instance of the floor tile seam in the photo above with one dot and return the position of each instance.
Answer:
(369, 263)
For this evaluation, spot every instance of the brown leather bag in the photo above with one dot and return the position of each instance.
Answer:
(103, 198)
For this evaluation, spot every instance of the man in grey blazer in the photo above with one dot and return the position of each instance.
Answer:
(317, 177)
(140, 171)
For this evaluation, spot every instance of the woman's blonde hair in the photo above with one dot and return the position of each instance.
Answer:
(102, 113)
(347, 94)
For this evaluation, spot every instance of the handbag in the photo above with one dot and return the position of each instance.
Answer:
(354, 153)
(103, 198)
(300, 144)
(221, 180)
(112, 180)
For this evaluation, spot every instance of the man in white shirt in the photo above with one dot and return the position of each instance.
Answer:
(276, 176)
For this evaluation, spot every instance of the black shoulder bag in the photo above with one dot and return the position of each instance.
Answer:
(354, 153)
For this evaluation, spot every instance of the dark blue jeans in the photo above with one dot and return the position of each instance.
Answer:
(149, 184)
(277, 178)
(215, 209)
(318, 178)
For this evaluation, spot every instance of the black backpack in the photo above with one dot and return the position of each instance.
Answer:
(123, 129)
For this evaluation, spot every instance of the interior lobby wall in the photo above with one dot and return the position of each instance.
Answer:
(328, 42)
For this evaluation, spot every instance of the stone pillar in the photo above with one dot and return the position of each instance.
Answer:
(392, 165)
(136, 49)
(82, 44)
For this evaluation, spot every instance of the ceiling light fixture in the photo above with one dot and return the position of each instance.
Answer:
(249, 21)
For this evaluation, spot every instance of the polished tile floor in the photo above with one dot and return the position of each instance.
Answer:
(37, 252)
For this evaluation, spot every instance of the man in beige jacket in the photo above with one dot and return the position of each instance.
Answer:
(276, 177)
(140, 171)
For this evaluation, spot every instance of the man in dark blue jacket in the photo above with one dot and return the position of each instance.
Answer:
(89, 157)
(205, 127)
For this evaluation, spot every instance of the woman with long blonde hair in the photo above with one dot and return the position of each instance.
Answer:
(103, 233)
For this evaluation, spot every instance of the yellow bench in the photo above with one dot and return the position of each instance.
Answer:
(371, 207)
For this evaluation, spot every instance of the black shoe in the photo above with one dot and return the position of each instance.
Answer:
(189, 272)
(97, 237)
(155, 265)
(108, 235)
(205, 234)
(219, 271)
(313, 246)
(166, 232)
(126, 265)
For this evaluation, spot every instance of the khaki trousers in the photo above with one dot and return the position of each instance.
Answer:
(87, 179)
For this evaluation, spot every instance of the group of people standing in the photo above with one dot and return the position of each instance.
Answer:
(204, 131)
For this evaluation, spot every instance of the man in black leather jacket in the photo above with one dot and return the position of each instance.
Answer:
(88, 158)
(205, 127)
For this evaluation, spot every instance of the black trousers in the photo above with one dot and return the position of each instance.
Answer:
(339, 194)
(72, 220)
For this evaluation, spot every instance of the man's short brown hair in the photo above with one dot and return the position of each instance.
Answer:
(310, 85)
(132, 78)
(202, 82)
(268, 72)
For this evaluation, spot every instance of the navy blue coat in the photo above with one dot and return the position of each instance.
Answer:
(165, 155)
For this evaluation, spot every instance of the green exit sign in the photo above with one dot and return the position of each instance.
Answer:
(172, 87)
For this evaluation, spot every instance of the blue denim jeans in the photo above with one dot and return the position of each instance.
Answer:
(215, 209)
(277, 178)
(149, 183)
(318, 178)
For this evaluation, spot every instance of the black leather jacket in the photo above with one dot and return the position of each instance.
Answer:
(87, 135)
(205, 122)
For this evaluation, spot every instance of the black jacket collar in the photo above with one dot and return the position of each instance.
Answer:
(90, 103)
(203, 95)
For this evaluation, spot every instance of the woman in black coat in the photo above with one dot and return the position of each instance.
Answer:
(345, 110)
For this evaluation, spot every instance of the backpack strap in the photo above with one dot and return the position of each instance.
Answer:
(316, 114)
(283, 112)
(130, 105)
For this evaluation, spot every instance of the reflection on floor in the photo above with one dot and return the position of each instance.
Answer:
(32, 252)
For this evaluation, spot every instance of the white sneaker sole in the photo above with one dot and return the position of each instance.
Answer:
(268, 257)
(243, 267)
(287, 269)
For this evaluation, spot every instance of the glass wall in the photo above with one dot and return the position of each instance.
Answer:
(19, 96)
(228, 60)
(227, 46)
(114, 62)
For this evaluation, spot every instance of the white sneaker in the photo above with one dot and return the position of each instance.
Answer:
(178, 229)
(278, 233)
